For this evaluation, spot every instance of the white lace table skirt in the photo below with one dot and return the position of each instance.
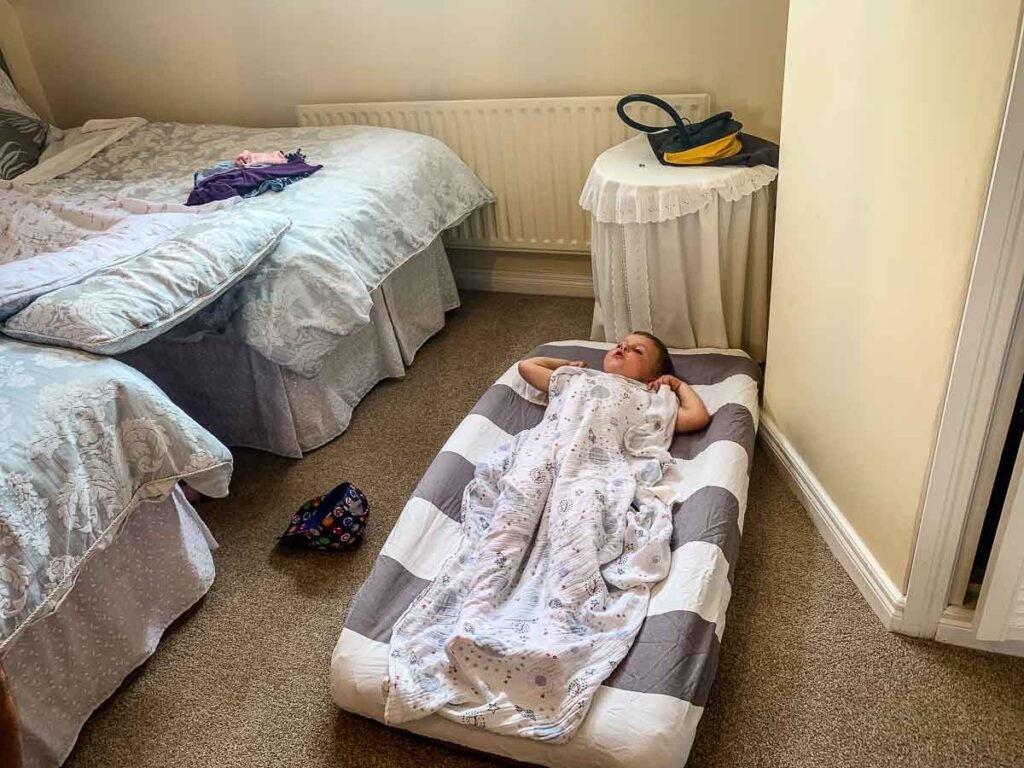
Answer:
(699, 280)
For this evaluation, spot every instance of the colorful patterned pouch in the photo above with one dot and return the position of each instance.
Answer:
(334, 521)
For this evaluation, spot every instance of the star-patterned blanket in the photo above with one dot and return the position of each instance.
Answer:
(566, 529)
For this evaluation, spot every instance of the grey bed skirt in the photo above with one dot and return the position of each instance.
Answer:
(63, 667)
(247, 401)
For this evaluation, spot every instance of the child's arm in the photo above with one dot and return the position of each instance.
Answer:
(692, 415)
(537, 370)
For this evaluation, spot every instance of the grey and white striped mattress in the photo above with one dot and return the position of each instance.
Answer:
(646, 712)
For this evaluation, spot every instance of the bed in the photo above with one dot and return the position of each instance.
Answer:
(647, 711)
(249, 401)
(347, 297)
(99, 549)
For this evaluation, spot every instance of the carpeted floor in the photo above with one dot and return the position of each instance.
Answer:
(807, 676)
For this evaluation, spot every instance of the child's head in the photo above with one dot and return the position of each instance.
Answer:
(641, 356)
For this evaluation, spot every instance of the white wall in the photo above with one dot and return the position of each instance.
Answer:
(239, 61)
(890, 122)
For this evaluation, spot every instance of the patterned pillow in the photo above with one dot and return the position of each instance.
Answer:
(22, 139)
(11, 99)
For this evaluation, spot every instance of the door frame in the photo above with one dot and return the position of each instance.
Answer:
(987, 329)
(1003, 576)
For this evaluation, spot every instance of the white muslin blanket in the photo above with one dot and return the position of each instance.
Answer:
(565, 531)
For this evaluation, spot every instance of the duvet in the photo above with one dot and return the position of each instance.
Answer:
(84, 441)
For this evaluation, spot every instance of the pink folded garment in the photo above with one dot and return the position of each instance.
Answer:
(247, 158)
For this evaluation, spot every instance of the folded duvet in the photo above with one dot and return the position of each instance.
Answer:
(123, 306)
(566, 528)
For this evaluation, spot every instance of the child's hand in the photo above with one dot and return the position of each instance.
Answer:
(576, 364)
(691, 415)
(669, 381)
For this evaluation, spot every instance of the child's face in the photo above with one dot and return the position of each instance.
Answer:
(634, 357)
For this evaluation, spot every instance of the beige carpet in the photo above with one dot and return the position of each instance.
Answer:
(807, 677)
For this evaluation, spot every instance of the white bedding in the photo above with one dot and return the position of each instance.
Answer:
(77, 146)
(83, 441)
(46, 246)
(382, 196)
(43, 223)
(566, 528)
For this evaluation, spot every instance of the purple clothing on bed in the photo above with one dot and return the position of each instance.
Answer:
(239, 181)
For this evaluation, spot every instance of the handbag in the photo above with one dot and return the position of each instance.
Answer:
(685, 143)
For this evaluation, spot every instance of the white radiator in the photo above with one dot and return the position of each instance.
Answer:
(534, 154)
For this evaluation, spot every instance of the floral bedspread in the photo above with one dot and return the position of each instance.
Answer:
(382, 196)
(83, 440)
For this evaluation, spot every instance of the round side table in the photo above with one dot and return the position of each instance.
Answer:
(684, 253)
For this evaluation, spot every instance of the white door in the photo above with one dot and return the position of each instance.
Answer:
(1000, 616)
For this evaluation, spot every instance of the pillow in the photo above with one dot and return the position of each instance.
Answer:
(128, 304)
(22, 139)
(11, 99)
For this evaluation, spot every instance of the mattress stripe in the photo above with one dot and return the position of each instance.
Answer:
(511, 379)
(475, 438)
(730, 422)
(710, 368)
(478, 434)
(739, 389)
(424, 538)
(419, 523)
(622, 728)
(507, 405)
(696, 583)
(507, 410)
(724, 464)
(706, 502)
(709, 514)
(382, 599)
(443, 483)
(675, 654)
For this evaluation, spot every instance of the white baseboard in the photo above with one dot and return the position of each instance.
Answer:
(849, 549)
(523, 281)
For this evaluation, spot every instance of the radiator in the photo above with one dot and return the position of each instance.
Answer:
(534, 154)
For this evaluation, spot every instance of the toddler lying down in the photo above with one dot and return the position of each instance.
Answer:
(641, 357)
(566, 529)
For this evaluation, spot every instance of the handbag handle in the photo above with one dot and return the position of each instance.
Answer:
(684, 130)
(654, 100)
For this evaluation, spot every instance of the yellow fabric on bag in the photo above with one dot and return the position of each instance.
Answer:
(727, 146)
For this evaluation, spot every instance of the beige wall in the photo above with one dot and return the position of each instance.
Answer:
(19, 61)
(239, 61)
(889, 127)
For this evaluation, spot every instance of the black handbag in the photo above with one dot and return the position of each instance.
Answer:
(711, 140)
